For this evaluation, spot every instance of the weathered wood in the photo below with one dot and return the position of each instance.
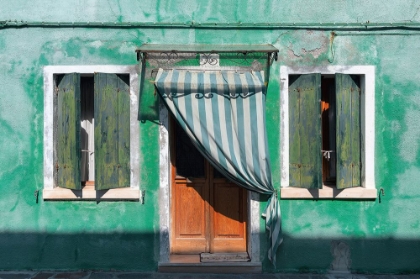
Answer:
(228, 216)
(112, 131)
(348, 131)
(305, 158)
(68, 131)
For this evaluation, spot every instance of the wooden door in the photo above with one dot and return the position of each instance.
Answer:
(208, 212)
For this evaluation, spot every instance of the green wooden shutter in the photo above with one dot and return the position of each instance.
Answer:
(348, 131)
(68, 131)
(112, 131)
(305, 158)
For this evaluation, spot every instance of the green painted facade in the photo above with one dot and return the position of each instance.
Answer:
(383, 236)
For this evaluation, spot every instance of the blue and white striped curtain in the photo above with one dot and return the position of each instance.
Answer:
(223, 112)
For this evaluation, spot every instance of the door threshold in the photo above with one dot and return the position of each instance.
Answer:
(192, 264)
(224, 257)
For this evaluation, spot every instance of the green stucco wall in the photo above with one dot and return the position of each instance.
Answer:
(383, 236)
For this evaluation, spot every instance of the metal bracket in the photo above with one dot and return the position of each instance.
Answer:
(382, 192)
(273, 56)
(36, 194)
(143, 194)
(170, 54)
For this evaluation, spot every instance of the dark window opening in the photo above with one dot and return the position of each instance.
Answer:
(329, 131)
(188, 160)
(87, 147)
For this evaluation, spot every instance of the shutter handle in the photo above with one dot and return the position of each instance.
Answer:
(327, 154)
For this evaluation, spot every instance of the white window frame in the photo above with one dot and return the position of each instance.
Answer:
(367, 84)
(50, 191)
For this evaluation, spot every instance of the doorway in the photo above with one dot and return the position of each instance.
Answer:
(208, 212)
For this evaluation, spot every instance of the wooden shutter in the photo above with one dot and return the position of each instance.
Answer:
(305, 156)
(348, 131)
(68, 131)
(112, 131)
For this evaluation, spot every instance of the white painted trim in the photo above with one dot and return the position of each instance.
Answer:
(49, 72)
(164, 199)
(368, 118)
(91, 194)
(254, 227)
(328, 192)
(164, 184)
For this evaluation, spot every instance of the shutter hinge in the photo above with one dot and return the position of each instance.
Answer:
(56, 166)
(36, 194)
(56, 90)
(143, 194)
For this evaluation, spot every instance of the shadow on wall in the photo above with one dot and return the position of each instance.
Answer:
(348, 254)
(79, 251)
(140, 252)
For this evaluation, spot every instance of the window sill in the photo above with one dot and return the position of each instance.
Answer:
(89, 193)
(328, 192)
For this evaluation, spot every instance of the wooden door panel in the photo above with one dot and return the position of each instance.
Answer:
(190, 211)
(208, 213)
(228, 218)
(189, 217)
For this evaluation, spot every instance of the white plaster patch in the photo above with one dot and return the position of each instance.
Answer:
(341, 253)
(405, 192)
(11, 108)
(408, 183)
(16, 123)
(395, 126)
(307, 228)
(96, 44)
(410, 139)
(126, 48)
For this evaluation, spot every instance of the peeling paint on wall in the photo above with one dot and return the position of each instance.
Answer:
(382, 236)
(308, 42)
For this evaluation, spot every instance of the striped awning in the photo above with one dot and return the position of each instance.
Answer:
(223, 112)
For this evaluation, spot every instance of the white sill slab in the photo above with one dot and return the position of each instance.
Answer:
(89, 193)
(328, 192)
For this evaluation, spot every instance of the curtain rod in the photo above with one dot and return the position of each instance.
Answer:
(192, 69)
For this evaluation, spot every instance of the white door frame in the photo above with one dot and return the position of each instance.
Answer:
(164, 199)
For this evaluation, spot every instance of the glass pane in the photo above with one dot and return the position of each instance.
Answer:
(189, 161)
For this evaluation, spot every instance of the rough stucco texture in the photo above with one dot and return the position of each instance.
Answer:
(369, 236)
